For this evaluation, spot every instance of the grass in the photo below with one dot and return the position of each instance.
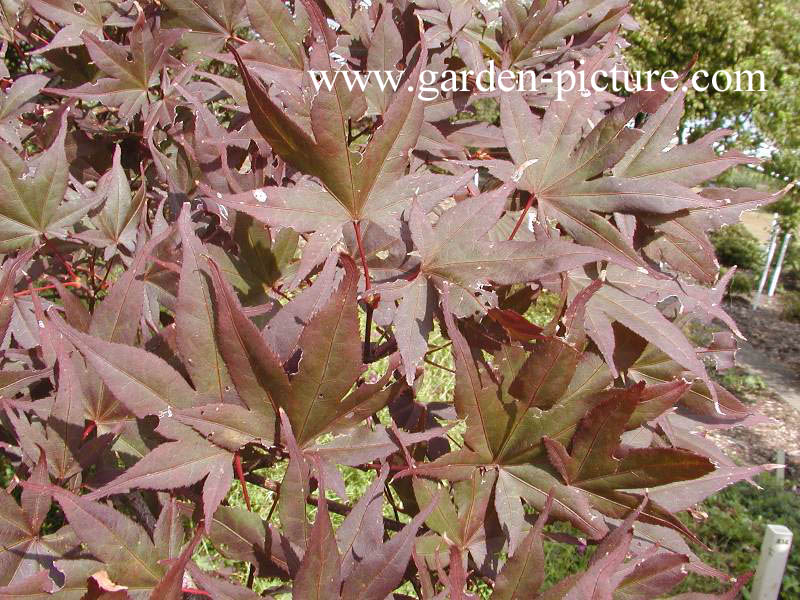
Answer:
(741, 382)
(791, 306)
(735, 245)
(733, 529)
(562, 560)
(737, 517)
(742, 283)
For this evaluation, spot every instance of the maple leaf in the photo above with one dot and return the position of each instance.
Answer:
(9, 18)
(131, 559)
(462, 526)
(577, 195)
(8, 276)
(457, 256)
(605, 571)
(544, 32)
(26, 551)
(285, 207)
(243, 535)
(326, 344)
(349, 177)
(683, 243)
(131, 73)
(194, 318)
(318, 575)
(14, 102)
(117, 221)
(510, 435)
(315, 404)
(210, 23)
(149, 386)
(31, 200)
(79, 17)
(383, 569)
(612, 303)
(222, 588)
(282, 32)
(65, 422)
(681, 496)
(12, 382)
(356, 184)
(255, 370)
(506, 438)
(265, 255)
(383, 55)
(523, 573)
(593, 467)
(362, 530)
(117, 320)
(654, 366)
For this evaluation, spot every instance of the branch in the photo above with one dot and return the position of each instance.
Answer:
(528, 205)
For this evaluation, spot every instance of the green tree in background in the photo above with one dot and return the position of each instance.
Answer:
(733, 35)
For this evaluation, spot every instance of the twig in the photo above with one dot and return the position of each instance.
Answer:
(437, 348)
(93, 295)
(195, 591)
(251, 575)
(367, 351)
(44, 288)
(383, 350)
(452, 439)
(442, 367)
(39, 38)
(390, 497)
(528, 205)
(237, 466)
(67, 265)
(274, 503)
(277, 290)
(87, 431)
(370, 307)
(109, 266)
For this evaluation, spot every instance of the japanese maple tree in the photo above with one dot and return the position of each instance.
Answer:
(221, 281)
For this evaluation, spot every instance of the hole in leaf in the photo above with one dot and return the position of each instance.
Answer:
(79, 8)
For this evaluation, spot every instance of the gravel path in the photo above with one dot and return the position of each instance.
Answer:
(782, 380)
(769, 336)
(772, 351)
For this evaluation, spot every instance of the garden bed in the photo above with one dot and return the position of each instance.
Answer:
(777, 341)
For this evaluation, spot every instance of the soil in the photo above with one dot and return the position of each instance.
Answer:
(758, 223)
(768, 334)
(772, 351)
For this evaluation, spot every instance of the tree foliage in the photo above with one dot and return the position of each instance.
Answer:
(749, 36)
(214, 271)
